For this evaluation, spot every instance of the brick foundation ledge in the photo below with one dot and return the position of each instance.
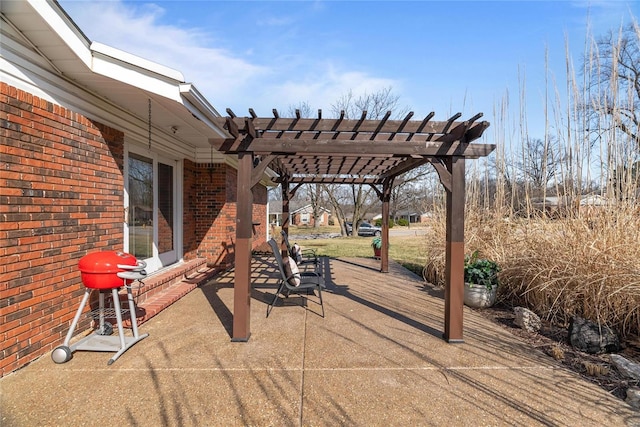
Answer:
(167, 287)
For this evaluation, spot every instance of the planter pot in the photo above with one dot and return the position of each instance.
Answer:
(376, 252)
(479, 296)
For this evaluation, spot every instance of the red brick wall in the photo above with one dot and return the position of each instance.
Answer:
(260, 215)
(296, 219)
(190, 241)
(210, 212)
(61, 197)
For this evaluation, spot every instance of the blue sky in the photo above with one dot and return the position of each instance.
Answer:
(446, 57)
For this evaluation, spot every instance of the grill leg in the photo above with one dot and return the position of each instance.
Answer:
(76, 318)
(63, 353)
(132, 312)
(116, 305)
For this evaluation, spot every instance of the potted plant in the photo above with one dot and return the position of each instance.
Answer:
(480, 281)
(376, 244)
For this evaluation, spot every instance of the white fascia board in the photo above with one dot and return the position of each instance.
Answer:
(190, 91)
(135, 76)
(267, 178)
(108, 61)
(198, 105)
(136, 61)
(62, 25)
(25, 74)
(300, 209)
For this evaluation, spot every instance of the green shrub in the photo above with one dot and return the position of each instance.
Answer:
(378, 223)
(403, 222)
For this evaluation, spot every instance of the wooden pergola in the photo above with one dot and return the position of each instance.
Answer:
(347, 151)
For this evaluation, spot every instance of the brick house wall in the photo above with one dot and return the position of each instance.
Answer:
(296, 219)
(210, 204)
(61, 196)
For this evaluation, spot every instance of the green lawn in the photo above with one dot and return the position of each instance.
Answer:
(407, 250)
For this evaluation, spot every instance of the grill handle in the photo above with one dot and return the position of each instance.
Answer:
(140, 265)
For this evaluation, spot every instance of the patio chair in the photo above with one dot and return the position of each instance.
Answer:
(299, 255)
(292, 280)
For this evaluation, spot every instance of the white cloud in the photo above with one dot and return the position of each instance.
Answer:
(215, 71)
(326, 85)
(225, 78)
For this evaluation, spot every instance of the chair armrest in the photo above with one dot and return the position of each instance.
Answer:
(309, 253)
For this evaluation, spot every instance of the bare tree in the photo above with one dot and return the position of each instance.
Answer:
(408, 188)
(313, 192)
(302, 108)
(613, 68)
(539, 164)
(376, 105)
(335, 196)
(617, 75)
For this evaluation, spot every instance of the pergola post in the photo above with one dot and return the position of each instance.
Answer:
(384, 252)
(454, 264)
(244, 232)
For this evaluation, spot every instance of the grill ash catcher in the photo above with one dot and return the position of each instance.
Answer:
(106, 271)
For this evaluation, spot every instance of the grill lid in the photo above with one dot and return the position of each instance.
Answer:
(105, 262)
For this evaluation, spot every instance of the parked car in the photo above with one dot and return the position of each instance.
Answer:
(367, 229)
(348, 225)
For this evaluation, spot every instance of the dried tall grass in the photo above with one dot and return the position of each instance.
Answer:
(586, 265)
(582, 260)
(563, 267)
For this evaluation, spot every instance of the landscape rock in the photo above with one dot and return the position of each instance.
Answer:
(592, 338)
(633, 397)
(527, 319)
(626, 367)
(316, 236)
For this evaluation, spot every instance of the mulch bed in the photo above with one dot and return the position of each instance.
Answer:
(553, 341)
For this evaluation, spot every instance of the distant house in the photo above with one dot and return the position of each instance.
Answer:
(275, 212)
(300, 215)
(304, 216)
(413, 218)
(556, 206)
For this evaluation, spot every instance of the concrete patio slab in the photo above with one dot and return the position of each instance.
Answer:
(377, 358)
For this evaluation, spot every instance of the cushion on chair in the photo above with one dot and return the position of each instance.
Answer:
(296, 253)
(291, 271)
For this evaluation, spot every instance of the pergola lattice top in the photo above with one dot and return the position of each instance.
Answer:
(350, 151)
(341, 150)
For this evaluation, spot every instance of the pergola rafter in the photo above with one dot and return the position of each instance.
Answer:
(351, 151)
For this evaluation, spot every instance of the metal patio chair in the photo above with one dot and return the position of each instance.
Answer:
(293, 281)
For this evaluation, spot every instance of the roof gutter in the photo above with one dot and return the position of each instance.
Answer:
(201, 109)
